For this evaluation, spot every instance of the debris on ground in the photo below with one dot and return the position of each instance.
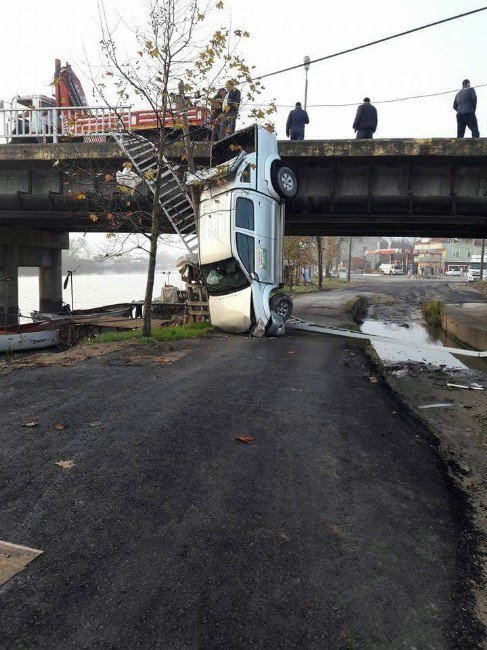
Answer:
(65, 464)
(245, 439)
(466, 387)
(437, 406)
(59, 426)
(30, 425)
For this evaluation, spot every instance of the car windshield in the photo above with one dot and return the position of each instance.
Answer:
(224, 277)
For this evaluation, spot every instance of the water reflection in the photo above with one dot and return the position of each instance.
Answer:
(418, 333)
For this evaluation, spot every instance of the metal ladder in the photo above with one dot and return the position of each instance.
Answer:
(173, 199)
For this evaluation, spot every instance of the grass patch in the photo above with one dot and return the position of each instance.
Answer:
(432, 312)
(176, 333)
(357, 307)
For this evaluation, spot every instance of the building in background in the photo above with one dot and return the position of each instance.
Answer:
(436, 256)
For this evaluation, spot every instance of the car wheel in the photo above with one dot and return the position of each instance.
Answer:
(283, 180)
(282, 305)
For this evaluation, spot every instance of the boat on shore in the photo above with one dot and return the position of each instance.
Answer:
(31, 336)
(123, 310)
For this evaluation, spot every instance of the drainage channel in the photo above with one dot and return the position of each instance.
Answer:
(398, 344)
(425, 345)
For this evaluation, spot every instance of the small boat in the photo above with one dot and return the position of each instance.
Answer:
(123, 309)
(32, 336)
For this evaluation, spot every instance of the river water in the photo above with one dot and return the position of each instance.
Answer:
(95, 290)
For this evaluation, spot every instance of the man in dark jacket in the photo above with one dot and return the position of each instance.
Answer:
(216, 116)
(365, 123)
(231, 105)
(465, 105)
(296, 122)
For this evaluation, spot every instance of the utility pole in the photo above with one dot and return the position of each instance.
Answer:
(307, 63)
(482, 256)
(349, 258)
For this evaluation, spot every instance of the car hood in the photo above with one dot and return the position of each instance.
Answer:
(232, 312)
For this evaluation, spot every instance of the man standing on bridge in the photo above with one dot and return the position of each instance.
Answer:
(296, 122)
(230, 108)
(365, 123)
(465, 105)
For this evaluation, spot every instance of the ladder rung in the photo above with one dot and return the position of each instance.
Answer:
(189, 218)
(180, 201)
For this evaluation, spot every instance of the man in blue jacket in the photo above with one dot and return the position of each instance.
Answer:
(296, 122)
(365, 123)
(465, 105)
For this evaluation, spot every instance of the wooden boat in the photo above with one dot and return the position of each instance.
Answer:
(123, 309)
(32, 336)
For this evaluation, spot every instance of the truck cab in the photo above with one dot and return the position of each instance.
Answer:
(473, 272)
(241, 232)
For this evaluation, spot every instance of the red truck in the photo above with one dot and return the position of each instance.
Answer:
(40, 118)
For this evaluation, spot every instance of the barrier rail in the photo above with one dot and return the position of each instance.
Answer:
(51, 123)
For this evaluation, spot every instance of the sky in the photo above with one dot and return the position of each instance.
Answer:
(281, 34)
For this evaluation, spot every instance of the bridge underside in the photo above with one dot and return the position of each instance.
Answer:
(350, 187)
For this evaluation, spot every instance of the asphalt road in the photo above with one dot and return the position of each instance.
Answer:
(337, 527)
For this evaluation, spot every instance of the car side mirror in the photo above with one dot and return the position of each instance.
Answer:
(255, 276)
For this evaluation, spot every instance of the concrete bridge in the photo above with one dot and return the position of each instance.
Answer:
(350, 187)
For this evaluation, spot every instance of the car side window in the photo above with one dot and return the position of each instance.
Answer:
(244, 214)
(246, 251)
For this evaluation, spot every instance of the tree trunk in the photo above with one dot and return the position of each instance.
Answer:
(151, 272)
(320, 262)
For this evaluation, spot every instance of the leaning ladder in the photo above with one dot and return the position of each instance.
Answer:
(174, 201)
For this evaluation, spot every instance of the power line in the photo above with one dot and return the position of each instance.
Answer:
(379, 101)
(380, 40)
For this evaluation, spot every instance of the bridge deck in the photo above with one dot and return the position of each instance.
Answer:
(427, 187)
(396, 148)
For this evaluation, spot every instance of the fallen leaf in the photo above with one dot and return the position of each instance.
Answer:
(58, 426)
(80, 197)
(30, 425)
(246, 439)
(65, 464)
(373, 380)
(92, 217)
(291, 351)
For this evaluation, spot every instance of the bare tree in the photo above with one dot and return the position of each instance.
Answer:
(172, 54)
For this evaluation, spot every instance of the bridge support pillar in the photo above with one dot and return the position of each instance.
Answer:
(9, 285)
(51, 284)
(32, 248)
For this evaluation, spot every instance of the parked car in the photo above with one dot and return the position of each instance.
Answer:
(453, 271)
(395, 268)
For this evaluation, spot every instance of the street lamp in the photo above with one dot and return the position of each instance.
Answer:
(307, 63)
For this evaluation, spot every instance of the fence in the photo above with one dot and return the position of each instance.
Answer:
(52, 123)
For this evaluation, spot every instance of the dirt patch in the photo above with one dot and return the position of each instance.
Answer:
(139, 355)
(155, 359)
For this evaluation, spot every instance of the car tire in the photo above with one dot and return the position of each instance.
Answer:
(283, 180)
(282, 305)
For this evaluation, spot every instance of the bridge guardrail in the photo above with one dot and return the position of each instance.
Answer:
(50, 124)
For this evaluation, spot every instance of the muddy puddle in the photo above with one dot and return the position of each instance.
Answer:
(418, 334)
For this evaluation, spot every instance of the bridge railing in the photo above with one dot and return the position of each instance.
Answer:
(93, 123)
